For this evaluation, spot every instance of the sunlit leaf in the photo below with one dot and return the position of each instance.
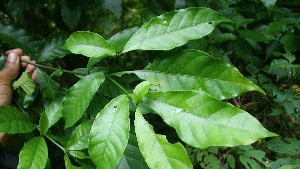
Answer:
(89, 44)
(202, 121)
(140, 91)
(110, 132)
(68, 163)
(79, 96)
(156, 149)
(196, 70)
(25, 82)
(34, 154)
(14, 121)
(174, 29)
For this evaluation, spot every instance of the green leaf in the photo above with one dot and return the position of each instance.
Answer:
(79, 96)
(34, 154)
(202, 121)
(289, 146)
(89, 44)
(80, 135)
(132, 157)
(249, 158)
(16, 9)
(51, 47)
(110, 132)
(119, 40)
(68, 163)
(115, 6)
(155, 148)
(195, 70)
(51, 115)
(140, 91)
(78, 154)
(25, 82)
(71, 12)
(174, 29)
(268, 3)
(13, 121)
(47, 86)
(17, 37)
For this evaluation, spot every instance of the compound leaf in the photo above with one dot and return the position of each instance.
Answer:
(202, 121)
(156, 149)
(79, 96)
(14, 121)
(34, 154)
(174, 29)
(110, 132)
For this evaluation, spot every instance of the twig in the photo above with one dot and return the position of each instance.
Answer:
(50, 68)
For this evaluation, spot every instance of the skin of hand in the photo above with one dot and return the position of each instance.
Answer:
(9, 73)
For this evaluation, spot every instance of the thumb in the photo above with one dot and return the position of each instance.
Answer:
(11, 68)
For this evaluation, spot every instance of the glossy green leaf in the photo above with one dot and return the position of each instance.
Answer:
(51, 47)
(196, 70)
(19, 38)
(79, 96)
(25, 82)
(132, 157)
(120, 39)
(174, 29)
(51, 115)
(34, 154)
(89, 44)
(202, 121)
(14, 121)
(156, 150)
(80, 135)
(110, 132)
(140, 91)
(78, 154)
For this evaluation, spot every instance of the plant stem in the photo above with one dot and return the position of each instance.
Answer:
(55, 69)
(120, 86)
(54, 142)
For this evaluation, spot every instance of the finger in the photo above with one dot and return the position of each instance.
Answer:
(34, 76)
(24, 64)
(31, 68)
(11, 68)
(17, 51)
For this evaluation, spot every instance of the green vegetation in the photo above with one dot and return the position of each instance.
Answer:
(155, 84)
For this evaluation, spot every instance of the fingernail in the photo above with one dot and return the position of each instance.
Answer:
(12, 57)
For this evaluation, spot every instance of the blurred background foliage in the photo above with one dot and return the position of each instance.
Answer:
(263, 44)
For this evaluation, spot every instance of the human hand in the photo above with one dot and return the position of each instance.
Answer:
(10, 72)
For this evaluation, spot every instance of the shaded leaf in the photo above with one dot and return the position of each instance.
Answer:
(34, 154)
(120, 39)
(51, 47)
(47, 86)
(155, 148)
(195, 70)
(132, 157)
(110, 132)
(217, 123)
(79, 96)
(68, 163)
(89, 44)
(174, 29)
(268, 3)
(51, 115)
(115, 6)
(14, 121)
(80, 135)
(17, 37)
(71, 12)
